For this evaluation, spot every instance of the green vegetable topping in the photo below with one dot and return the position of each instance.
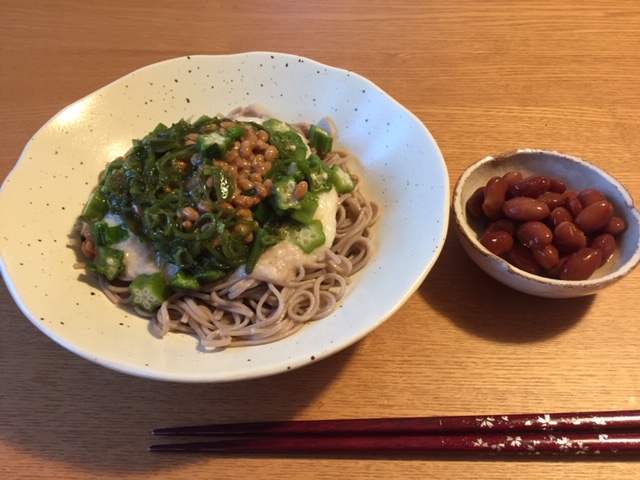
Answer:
(285, 139)
(235, 133)
(223, 183)
(318, 174)
(149, 291)
(103, 234)
(342, 180)
(109, 262)
(307, 237)
(96, 208)
(307, 208)
(283, 194)
(212, 275)
(185, 282)
(263, 240)
(213, 145)
(320, 140)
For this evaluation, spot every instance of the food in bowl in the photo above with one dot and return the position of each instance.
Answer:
(64, 157)
(540, 226)
(237, 228)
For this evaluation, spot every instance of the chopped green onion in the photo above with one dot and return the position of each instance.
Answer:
(103, 234)
(202, 122)
(235, 132)
(263, 239)
(96, 208)
(210, 275)
(223, 182)
(185, 282)
(234, 248)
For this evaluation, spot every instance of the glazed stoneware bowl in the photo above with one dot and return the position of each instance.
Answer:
(578, 174)
(398, 160)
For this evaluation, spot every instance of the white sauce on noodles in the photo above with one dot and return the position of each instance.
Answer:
(280, 263)
(139, 258)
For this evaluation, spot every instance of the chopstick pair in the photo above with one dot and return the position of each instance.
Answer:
(580, 433)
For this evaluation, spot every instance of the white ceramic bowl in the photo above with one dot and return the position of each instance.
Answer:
(578, 174)
(402, 169)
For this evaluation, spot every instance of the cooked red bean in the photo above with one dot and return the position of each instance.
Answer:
(495, 194)
(557, 216)
(572, 203)
(589, 196)
(605, 244)
(551, 199)
(570, 193)
(556, 185)
(503, 224)
(534, 234)
(569, 238)
(525, 209)
(554, 272)
(497, 242)
(474, 204)
(547, 256)
(581, 264)
(532, 186)
(594, 217)
(540, 226)
(615, 226)
(520, 257)
(512, 178)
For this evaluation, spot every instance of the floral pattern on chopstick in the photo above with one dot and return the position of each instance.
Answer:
(544, 421)
(544, 434)
(581, 444)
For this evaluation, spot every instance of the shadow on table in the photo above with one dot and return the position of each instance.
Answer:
(58, 407)
(477, 303)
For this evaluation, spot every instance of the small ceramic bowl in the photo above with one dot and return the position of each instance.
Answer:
(577, 174)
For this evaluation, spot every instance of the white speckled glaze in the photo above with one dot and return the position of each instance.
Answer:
(402, 167)
(578, 174)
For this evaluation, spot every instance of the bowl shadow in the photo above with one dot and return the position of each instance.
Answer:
(479, 304)
(68, 410)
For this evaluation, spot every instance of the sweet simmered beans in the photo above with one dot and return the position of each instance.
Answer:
(540, 226)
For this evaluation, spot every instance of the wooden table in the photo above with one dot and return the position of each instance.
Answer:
(484, 77)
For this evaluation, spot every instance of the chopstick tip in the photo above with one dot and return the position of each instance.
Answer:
(159, 447)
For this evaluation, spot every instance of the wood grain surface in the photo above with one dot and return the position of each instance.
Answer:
(484, 77)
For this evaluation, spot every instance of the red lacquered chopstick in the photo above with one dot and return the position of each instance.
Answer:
(628, 420)
(533, 444)
(594, 433)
